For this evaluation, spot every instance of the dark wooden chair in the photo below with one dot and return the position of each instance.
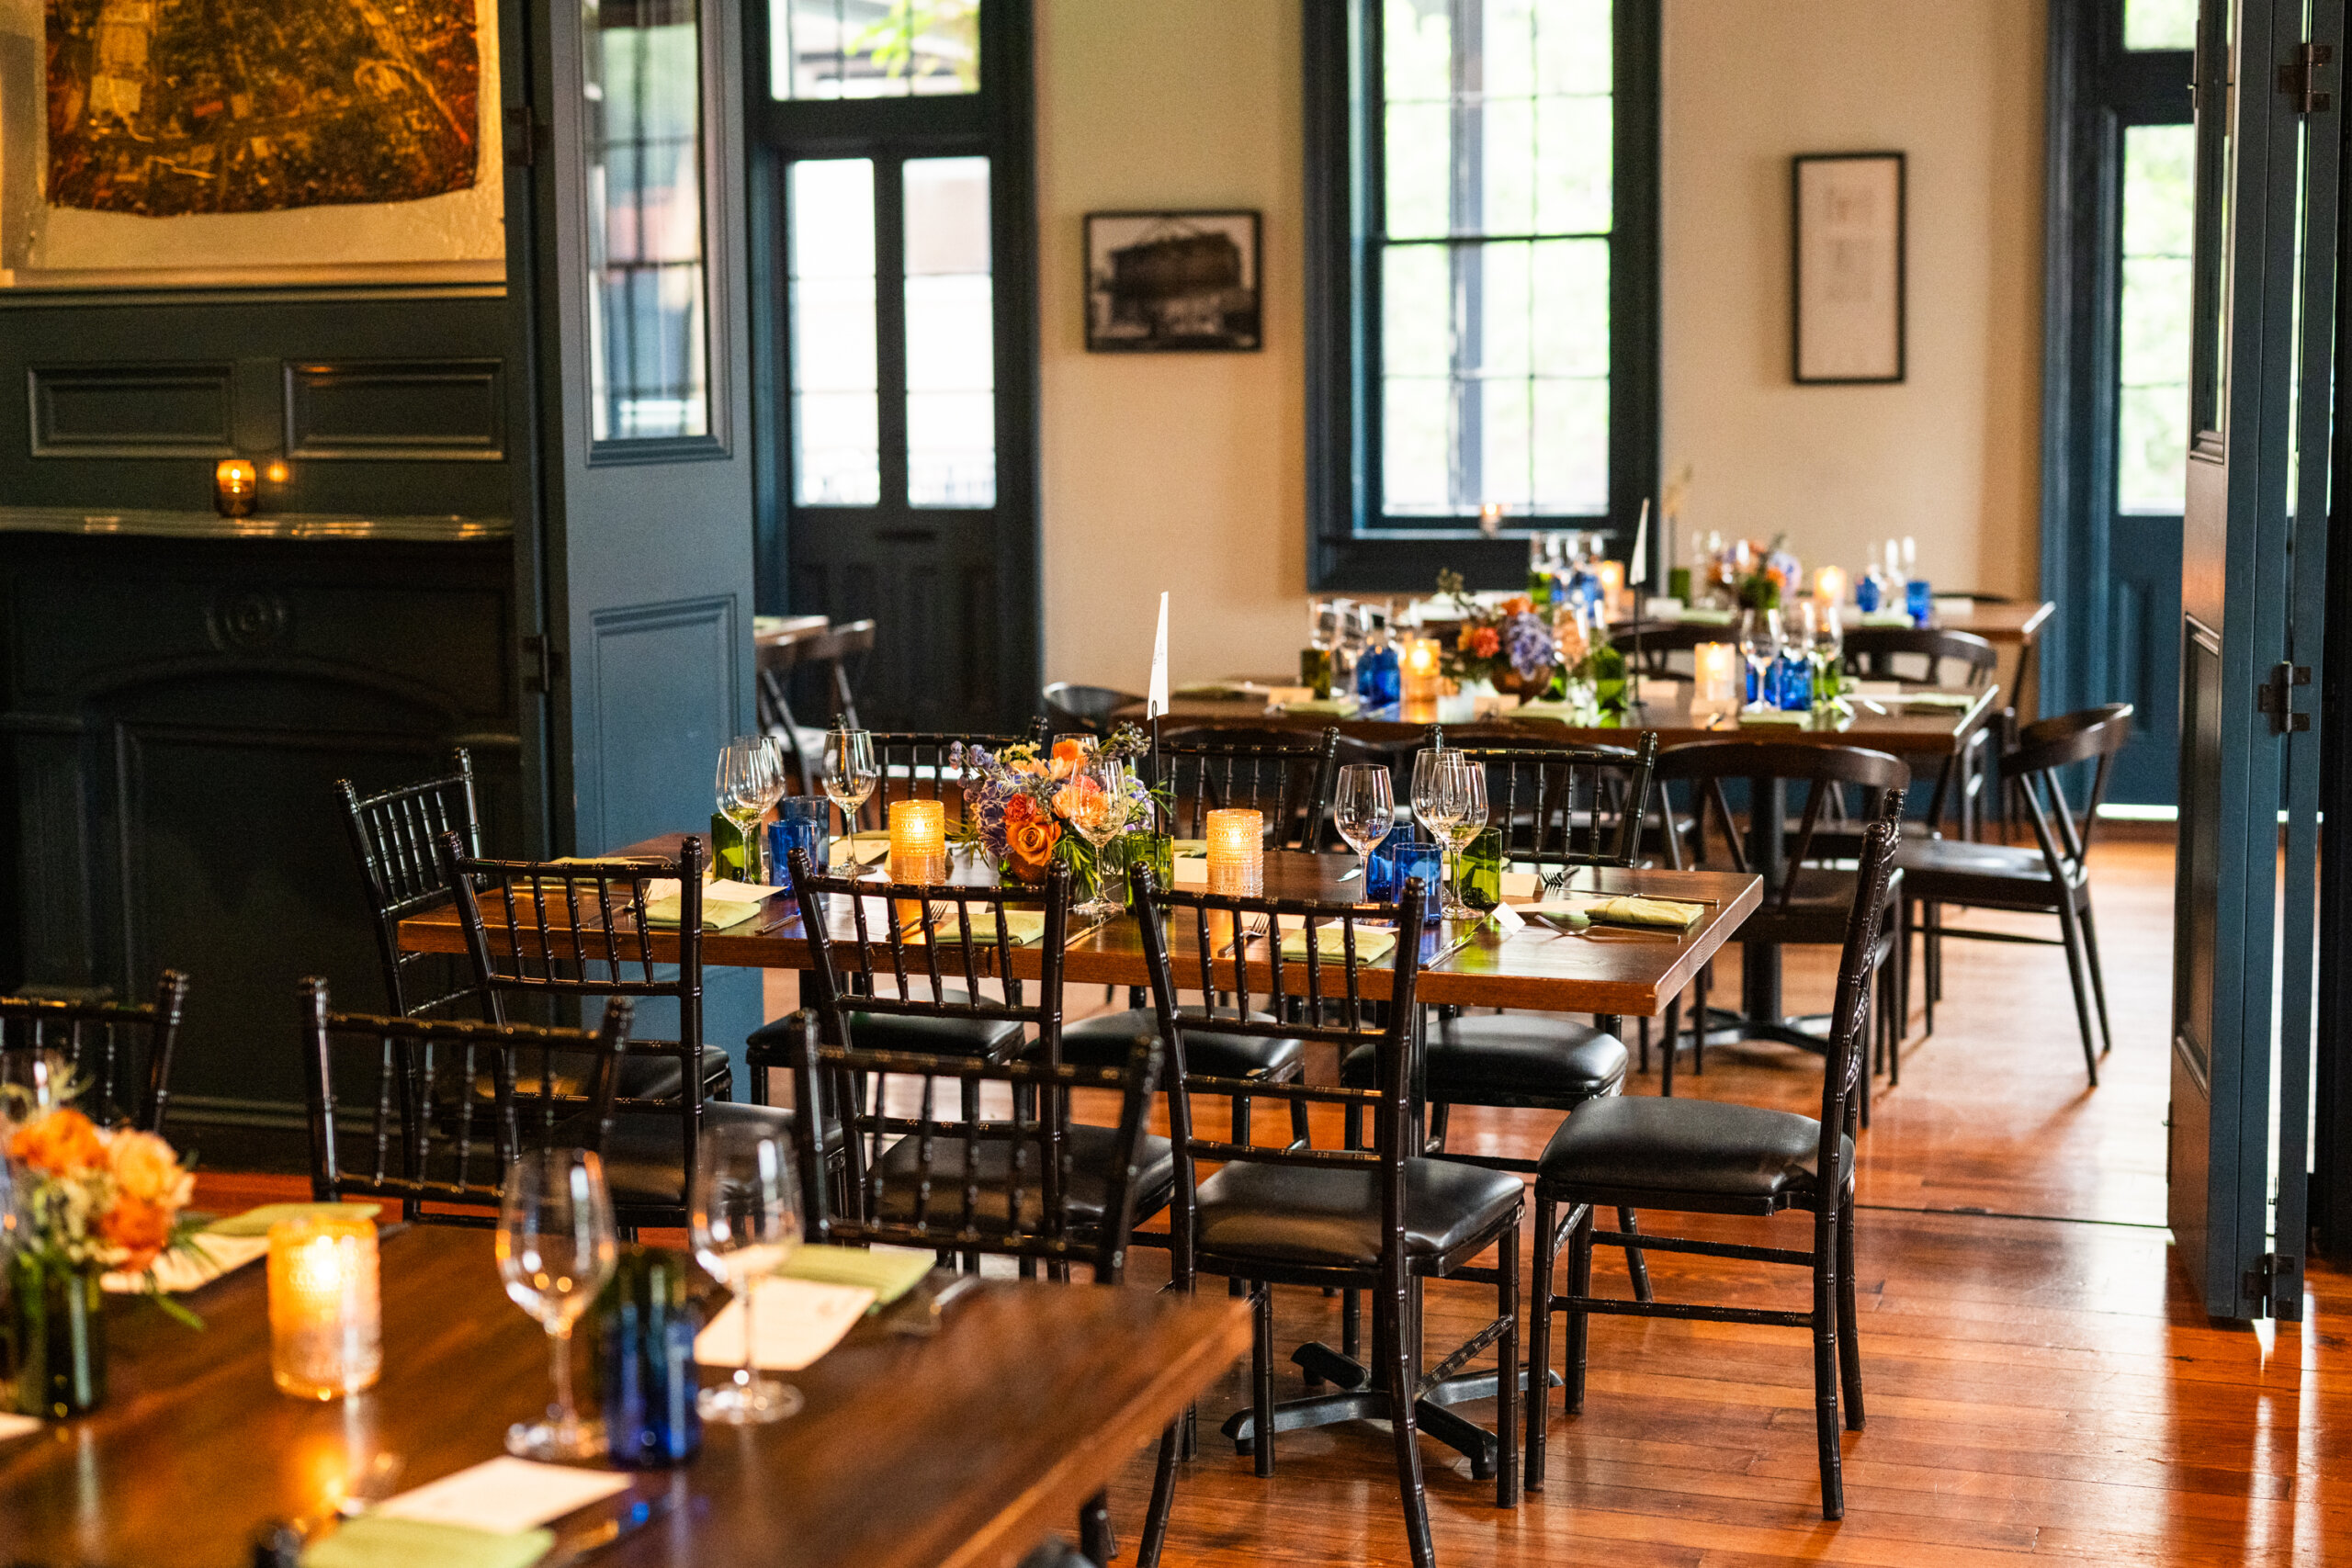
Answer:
(1010, 1189)
(1380, 1219)
(397, 1110)
(2052, 878)
(393, 833)
(1940, 659)
(120, 1054)
(824, 656)
(1072, 710)
(1714, 1157)
(568, 930)
(925, 764)
(1805, 901)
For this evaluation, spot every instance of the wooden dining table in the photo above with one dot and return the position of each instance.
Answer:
(965, 1448)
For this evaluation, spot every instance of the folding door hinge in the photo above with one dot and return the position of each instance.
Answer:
(2276, 1282)
(2276, 697)
(542, 664)
(2300, 77)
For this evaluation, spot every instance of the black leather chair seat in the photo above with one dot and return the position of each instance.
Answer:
(984, 1038)
(1330, 1215)
(1102, 1042)
(1695, 1147)
(644, 1153)
(1956, 870)
(1091, 1150)
(1515, 1059)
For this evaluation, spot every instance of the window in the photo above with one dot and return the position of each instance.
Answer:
(2152, 341)
(1483, 278)
(872, 48)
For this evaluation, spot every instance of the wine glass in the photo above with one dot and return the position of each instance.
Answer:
(1363, 806)
(1829, 651)
(556, 1250)
(850, 772)
(745, 1222)
(744, 764)
(1100, 801)
(1759, 645)
(1432, 806)
(1464, 784)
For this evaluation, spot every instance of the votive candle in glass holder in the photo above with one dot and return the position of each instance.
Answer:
(1423, 679)
(1829, 585)
(1238, 852)
(1613, 585)
(326, 1308)
(918, 840)
(1716, 686)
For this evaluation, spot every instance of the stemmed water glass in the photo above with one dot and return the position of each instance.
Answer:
(1363, 807)
(1464, 785)
(1432, 806)
(1828, 653)
(745, 1222)
(556, 1250)
(1759, 645)
(850, 772)
(1102, 800)
(751, 777)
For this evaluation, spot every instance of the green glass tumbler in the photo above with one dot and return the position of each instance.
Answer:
(1478, 876)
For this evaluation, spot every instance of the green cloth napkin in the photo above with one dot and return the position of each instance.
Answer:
(1629, 910)
(374, 1541)
(256, 1222)
(1191, 848)
(1559, 712)
(1699, 615)
(888, 1275)
(717, 914)
(1022, 927)
(1954, 700)
(1884, 618)
(1340, 706)
(1775, 715)
(1371, 946)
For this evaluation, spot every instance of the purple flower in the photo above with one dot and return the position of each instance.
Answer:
(1527, 642)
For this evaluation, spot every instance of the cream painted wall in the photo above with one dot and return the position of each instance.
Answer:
(1186, 471)
(1182, 472)
(1950, 455)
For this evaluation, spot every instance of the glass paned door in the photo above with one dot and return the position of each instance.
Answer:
(872, 48)
(951, 335)
(2152, 339)
(836, 395)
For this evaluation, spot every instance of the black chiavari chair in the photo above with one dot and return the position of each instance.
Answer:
(117, 1057)
(393, 833)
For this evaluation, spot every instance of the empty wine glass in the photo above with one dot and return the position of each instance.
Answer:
(850, 772)
(1759, 645)
(1432, 806)
(748, 783)
(1464, 784)
(745, 1221)
(1363, 807)
(1100, 799)
(556, 1250)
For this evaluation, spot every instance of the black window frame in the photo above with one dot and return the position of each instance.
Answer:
(1351, 546)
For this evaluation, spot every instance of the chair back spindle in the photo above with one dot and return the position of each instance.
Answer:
(394, 833)
(117, 1054)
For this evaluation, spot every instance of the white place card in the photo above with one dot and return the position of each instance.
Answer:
(1521, 885)
(1507, 918)
(1192, 872)
(798, 1321)
(506, 1496)
(17, 1427)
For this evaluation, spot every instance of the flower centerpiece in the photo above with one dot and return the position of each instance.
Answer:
(90, 1201)
(1023, 809)
(1509, 645)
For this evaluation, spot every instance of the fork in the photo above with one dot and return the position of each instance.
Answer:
(1257, 929)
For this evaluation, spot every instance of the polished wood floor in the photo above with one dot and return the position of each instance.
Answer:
(2039, 1384)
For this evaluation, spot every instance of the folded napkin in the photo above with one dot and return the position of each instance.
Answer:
(1775, 715)
(1558, 711)
(1191, 848)
(717, 914)
(1022, 927)
(1956, 701)
(1331, 942)
(1699, 615)
(1873, 688)
(1883, 618)
(798, 1321)
(863, 847)
(376, 1542)
(1631, 910)
(1340, 706)
(1955, 605)
(256, 1222)
(888, 1271)
(725, 889)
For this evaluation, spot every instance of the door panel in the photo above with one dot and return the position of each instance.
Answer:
(2143, 654)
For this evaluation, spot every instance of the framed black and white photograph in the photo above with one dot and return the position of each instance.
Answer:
(1848, 279)
(1171, 282)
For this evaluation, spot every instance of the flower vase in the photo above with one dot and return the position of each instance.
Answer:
(57, 1326)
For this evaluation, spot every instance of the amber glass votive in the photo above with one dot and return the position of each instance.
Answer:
(326, 1310)
(234, 488)
(1236, 852)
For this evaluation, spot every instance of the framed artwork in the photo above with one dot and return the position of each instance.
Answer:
(1172, 282)
(1847, 268)
(334, 144)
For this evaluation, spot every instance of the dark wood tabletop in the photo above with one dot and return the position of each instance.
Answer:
(1629, 973)
(1910, 733)
(964, 1448)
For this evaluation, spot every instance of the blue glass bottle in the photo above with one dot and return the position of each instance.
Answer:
(1868, 591)
(1380, 677)
(1920, 600)
(645, 1321)
(1793, 673)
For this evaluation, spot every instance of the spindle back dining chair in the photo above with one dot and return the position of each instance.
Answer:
(1715, 1158)
(1284, 775)
(115, 1057)
(929, 764)
(1940, 658)
(398, 1109)
(393, 835)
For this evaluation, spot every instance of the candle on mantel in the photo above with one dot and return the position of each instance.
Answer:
(918, 840)
(233, 486)
(1236, 852)
(1829, 585)
(326, 1309)
(1716, 683)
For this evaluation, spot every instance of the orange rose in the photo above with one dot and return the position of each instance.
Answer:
(145, 1168)
(1079, 800)
(1069, 752)
(1483, 642)
(59, 1144)
(140, 1228)
(1029, 847)
(1518, 604)
(1021, 808)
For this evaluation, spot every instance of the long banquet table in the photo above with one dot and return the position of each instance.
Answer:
(962, 1448)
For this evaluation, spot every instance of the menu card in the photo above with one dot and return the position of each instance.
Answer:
(798, 1321)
